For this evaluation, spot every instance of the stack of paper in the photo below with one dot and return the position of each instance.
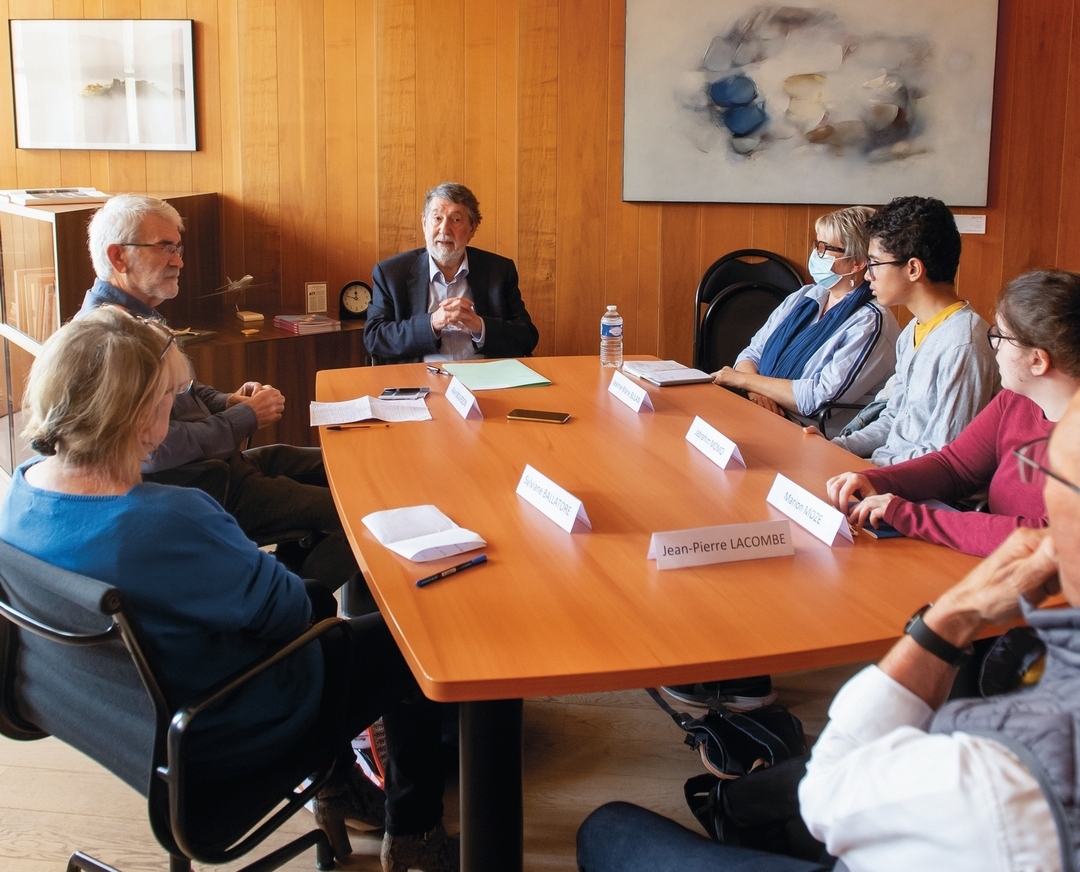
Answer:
(421, 533)
(366, 409)
(665, 372)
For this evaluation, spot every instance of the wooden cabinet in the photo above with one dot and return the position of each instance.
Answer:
(277, 357)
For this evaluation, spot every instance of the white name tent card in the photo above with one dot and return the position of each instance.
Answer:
(463, 401)
(714, 444)
(555, 502)
(635, 396)
(829, 524)
(421, 533)
(723, 544)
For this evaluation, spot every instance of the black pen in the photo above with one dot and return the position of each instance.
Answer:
(434, 370)
(357, 426)
(476, 561)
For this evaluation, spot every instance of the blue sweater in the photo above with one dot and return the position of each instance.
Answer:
(207, 600)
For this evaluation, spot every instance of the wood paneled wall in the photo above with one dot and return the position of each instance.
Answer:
(323, 123)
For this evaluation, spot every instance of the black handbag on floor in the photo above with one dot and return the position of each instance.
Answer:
(749, 796)
(732, 744)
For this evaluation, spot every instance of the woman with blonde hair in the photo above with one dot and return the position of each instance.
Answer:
(829, 342)
(208, 601)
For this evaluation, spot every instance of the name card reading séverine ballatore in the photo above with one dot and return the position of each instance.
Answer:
(713, 444)
(559, 504)
(724, 544)
(463, 401)
(635, 396)
(829, 524)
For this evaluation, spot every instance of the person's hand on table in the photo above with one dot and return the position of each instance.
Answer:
(811, 430)
(848, 487)
(870, 509)
(765, 403)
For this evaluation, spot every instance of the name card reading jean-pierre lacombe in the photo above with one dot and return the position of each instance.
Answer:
(724, 544)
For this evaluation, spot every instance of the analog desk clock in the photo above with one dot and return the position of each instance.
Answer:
(354, 301)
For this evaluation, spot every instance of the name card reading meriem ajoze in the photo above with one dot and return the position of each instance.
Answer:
(635, 396)
(463, 401)
(713, 444)
(559, 504)
(826, 522)
(724, 544)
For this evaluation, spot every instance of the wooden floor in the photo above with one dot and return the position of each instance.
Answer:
(579, 752)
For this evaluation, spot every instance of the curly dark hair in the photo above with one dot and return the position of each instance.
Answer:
(1042, 310)
(921, 227)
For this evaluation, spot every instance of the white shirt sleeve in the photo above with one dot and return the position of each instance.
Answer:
(883, 794)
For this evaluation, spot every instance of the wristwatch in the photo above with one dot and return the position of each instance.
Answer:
(930, 641)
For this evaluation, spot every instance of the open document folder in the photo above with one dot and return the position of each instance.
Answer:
(495, 375)
(367, 409)
(421, 533)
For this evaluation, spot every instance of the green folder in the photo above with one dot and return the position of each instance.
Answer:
(495, 375)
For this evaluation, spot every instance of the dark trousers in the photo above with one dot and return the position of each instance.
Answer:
(620, 837)
(381, 685)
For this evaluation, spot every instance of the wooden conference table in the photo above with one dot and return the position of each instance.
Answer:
(553, 613)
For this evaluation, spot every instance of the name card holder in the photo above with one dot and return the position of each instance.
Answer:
(714, 444)
(463, 401)
(555, 502)
(724, 544)
(634, 396)
(828, 524)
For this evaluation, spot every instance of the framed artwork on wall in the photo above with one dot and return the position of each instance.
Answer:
(104, 84)
(842, 102)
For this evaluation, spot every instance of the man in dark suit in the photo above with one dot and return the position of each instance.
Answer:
(447, 301)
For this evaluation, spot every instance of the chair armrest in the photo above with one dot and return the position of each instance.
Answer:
(224, 688)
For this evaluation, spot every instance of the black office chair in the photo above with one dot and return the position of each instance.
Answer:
(754, 265)
(72, 666)
(734, 315)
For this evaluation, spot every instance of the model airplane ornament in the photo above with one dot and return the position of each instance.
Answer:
(238, 286)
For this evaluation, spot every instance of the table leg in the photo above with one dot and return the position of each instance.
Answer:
(492, 827)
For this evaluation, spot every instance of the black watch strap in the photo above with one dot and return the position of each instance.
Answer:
(930, 641)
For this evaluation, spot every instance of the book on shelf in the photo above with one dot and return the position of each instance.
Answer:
(305, 324)
(54, 196)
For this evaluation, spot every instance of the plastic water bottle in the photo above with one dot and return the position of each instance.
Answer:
(611, 337)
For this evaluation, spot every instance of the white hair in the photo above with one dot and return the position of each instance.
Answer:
(118, 221)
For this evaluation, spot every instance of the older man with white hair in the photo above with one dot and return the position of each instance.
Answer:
(135, 244)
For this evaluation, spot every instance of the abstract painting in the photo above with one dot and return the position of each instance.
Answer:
(849, 101)
(104, 84)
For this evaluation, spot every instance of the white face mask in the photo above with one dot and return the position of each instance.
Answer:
(821, 270)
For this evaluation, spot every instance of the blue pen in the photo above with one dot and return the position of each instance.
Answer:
(476, 561)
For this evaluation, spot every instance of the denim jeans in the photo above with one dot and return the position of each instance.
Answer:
(620, 837)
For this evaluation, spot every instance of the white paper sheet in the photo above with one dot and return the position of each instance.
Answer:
(366, 409)
(421, 533)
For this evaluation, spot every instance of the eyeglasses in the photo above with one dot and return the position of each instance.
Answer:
(871, 265)
(169, 248)
(1033, 472)
(995, 337)
(822, 248)
(170, 339)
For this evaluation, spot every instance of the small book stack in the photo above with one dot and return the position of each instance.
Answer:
(54, 196)
(304, 324)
